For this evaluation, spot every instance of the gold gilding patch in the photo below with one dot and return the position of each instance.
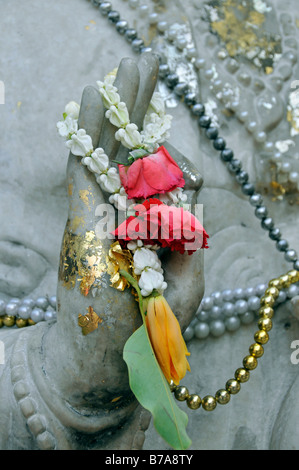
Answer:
(77, 222)
(118, 259)
(84, 196)
(243, 31)
(116, 399)
(70, 189)
(292, 118)
(82, 260)
(89, 322)
(278, 189)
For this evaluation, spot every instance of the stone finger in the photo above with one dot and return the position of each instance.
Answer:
(91, 115)
(148, 67)
(193, 178)
(127, 83)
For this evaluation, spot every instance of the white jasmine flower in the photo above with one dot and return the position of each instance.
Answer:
(109, 94)
(155, 128)
(80, 143)
(150, 118)
(108, 79)
(130, 137)
(119, 200)
(132, 245)
(118, 115)
(157, 105)
(176, 196)
(67, 127)
(110, 182)
(72, 109)
(98, 162)
(150, 280)
(145, 258)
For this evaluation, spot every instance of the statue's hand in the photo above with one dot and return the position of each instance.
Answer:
(91, 368)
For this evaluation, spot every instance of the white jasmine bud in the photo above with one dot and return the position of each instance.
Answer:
(72, 109)
(129, 137)
(145, 258)
(67, 127)
(110, 182)
(98, 162)
(80, 143)
(150, 280)
(118, 115)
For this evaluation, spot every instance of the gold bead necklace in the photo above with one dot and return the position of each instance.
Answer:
(250, 362)
(12, 320)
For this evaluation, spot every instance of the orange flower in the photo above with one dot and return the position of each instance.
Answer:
(166, 339)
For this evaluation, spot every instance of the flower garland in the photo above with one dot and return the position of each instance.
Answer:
(149, 189)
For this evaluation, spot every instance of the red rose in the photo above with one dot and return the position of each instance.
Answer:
(168, 226)
(155, 174)
(136, 227)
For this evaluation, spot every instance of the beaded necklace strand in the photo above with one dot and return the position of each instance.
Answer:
(262, 299)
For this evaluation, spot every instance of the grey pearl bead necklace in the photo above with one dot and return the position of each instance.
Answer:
(228, 310)
(30, 310)
(220, 312)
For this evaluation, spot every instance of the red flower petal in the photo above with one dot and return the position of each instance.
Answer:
(170, 227)
(162, 173)
(155, 174)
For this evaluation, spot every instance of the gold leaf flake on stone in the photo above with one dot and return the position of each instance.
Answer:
(84, 196)
(118, 259)
(243, 32)
(77, 222)
(82, 261)
(89, 322)
(70, 189)
(277, 188)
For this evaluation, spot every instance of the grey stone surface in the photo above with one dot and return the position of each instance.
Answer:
(50, 52)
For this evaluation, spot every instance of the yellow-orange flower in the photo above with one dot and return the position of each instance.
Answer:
(166, 339)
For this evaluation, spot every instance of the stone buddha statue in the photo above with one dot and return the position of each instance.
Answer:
(64, 389)
(56, 389)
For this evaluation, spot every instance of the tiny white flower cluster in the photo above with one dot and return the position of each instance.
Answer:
(156, 122)
(156, 125)
(80, 144)
(148, 266)
(175, 197)
(69, 125)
